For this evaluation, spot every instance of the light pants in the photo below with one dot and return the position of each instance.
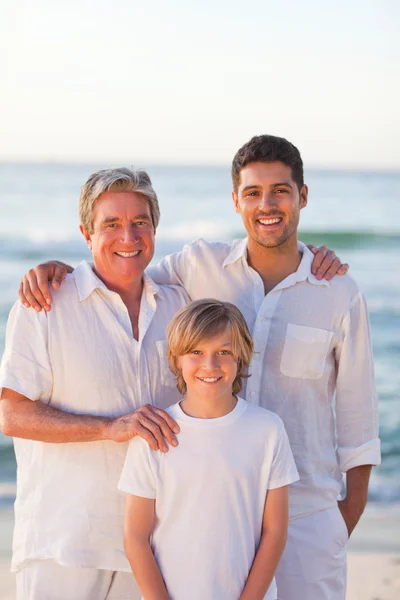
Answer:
(47, 580)
(313, 565)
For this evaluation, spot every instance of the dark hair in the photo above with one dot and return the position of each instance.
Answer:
(268, 148)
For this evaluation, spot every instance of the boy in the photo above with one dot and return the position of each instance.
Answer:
(208, 520)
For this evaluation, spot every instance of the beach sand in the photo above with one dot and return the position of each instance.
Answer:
(373, 560)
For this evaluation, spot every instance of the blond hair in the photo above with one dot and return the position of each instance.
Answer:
(204, 319)
(116, 180)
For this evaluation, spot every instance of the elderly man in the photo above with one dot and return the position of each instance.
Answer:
(78, 383)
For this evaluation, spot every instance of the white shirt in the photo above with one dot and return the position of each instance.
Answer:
(311, 338)
(82, 358)
(210, 494)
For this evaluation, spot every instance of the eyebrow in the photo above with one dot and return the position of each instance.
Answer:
(143, 217)
(273, 185)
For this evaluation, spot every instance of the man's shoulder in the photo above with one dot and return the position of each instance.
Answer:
(345, 290)
(67, 292)
(216, 250)
(174, 295)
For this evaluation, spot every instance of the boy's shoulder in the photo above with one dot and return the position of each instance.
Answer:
(263, 415)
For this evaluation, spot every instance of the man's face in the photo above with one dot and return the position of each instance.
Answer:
(122, 242)
(269, 202)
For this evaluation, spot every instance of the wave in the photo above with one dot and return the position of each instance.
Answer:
(384, 486)
(31, 248)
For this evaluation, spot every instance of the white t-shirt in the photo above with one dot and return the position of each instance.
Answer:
(210, 494)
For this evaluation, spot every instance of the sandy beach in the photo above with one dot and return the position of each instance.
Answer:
(373, 564)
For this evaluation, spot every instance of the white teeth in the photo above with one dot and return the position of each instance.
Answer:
(128, 254)
(269, 221)
(209, 379)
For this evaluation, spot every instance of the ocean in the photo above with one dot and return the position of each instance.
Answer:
(356, 213)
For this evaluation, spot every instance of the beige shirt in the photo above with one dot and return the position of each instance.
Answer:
(312, 342)
(82, 358)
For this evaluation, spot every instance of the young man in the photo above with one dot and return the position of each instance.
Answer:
(209, 521)
(312, 342)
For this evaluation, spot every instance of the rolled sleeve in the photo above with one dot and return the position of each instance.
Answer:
(25, 366)
(366, 454)
(356, 400)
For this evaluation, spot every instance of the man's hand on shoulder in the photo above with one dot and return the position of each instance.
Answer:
(148, 422)
(326, 264)
(34, 289)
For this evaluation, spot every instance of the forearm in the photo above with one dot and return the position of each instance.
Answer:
(146, 570)
(357, 481)
(352, 507)
(264, 565)
(37, 421)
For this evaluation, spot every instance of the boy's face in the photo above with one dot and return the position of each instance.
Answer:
(209, 370)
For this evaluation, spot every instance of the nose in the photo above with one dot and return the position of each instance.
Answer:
(267, 201)
(211, 361)
(129, 235)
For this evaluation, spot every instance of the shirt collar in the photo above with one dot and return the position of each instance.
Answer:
(87, 281)
(239, 252)
(304, 269)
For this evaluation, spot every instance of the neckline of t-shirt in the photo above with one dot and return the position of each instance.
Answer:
(178, 414)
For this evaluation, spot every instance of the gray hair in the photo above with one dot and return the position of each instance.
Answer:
(116, 180)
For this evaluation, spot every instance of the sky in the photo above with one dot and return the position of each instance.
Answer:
(167, 81)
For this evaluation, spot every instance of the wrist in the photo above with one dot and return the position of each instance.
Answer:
(105, 428)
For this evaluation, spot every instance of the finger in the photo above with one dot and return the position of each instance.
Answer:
(319, 257)
(313, 248)
(22, 298)
(156, 432)
(173, 425)
(166, 424)
(343, 269)
(60, 273)
(333, 269)
(43, 285)
(32, 281)
(27, 292)
(325, 264)
(146, 435)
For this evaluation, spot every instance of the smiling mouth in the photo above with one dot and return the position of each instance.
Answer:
(269, 222)
(209, 379)
(128, 254)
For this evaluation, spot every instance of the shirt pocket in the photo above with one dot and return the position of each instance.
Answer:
(304, 352)
(167, 376)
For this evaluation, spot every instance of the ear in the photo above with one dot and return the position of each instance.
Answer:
(86, 235)
(303, 196)
(235, 201)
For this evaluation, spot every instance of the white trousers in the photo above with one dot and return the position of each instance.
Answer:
(313, 565)
(47, 580)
